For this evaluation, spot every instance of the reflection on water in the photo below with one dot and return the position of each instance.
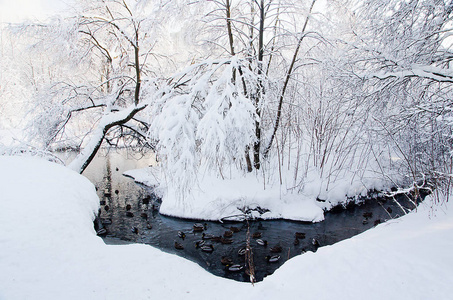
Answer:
(129, 212)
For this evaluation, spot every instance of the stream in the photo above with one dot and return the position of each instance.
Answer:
(130, 214)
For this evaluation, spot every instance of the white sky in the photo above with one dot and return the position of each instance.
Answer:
(20, 10)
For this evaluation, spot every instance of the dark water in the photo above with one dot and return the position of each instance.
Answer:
(129, 212)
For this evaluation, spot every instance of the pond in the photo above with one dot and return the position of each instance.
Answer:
(130, 214)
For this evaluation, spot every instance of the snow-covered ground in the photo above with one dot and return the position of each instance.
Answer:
(214, 198)
(49, 250)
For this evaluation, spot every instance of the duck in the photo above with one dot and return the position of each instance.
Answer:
(128, 207)
(106, 208)
(207, 236)
(144, 215)
(149, 225)
(296, 241)
(377, 222)
(235, 229)
(389, 210)
(228, 234)
(276, 249)
(181, 235)
(273, 258)
(207, 248)
(146, 200)
(367, 214)
(226, 241)
(179, 246)
(198, 244)
(217, 238)
(106, 221)
(300, 235)
(256, 235)
(242, 251)
(129, 214)
(117, 192)
(261, 242)
(134, 230)
(235, 268)
(315, 242)
(198, 227)
(101, 231)
(226, 261)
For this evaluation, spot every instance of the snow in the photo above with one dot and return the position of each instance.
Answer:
(49, 250)
(214, 198)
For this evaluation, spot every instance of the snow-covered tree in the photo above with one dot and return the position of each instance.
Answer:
(403, 52)
(103, 53)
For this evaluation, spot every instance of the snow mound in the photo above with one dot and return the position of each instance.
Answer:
(246, 196)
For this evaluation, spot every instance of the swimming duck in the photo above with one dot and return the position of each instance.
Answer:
(149, 226)
(207, 248)
(242, 251)
(128, 207)
(235, 229)
(101, 231)
(273, 258)
(207, 236)
(228, 234)
(134, 230)
(181, 235)
(226, 261)
(226, 241)
(129, 214)
(235, 268)
(300, 235)
(315, 242)
(146, 200)
(179, 246)
(367, 215)
(106, 221)
(296, 241)
(261, 242)
(377, 222)
(215, 238)
(106, 208)
(198, 244)
(276, 249)
(117, 192)
(144, 215)
(198, 227)
(256, 235)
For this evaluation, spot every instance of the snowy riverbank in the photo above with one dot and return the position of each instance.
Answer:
(213, 198)
(49, 250)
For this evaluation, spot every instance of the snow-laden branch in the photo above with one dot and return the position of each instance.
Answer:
(427, 72)
(108, 121)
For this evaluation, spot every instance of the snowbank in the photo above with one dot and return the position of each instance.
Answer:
(49, 250)
(214, 198)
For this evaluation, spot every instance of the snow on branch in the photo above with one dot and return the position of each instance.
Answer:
(107, 121)
(427, 72)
